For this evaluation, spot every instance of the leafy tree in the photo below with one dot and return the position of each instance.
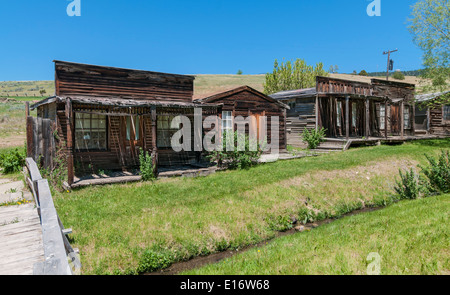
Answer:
(239, 72)
(333, 69)
(430, 27)
(354, 72)
(292, 75)
(363, 73)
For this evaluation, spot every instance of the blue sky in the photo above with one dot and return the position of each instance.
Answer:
(202, 36)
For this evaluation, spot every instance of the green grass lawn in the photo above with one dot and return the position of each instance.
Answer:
(143, 226)
(410, 237)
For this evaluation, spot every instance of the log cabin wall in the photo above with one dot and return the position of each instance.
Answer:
(73, 79)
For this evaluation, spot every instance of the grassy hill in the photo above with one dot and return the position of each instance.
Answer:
(204, 85)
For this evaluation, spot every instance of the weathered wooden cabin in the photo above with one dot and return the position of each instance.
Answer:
(100, 118)
(103, 116)
(245, 101)
(349, 109)
(432, 118)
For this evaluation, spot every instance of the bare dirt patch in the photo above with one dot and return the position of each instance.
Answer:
(359, 173)
(15, 140)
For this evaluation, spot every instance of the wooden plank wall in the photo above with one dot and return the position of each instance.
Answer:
(246, 103)
(77, 79)
(41, 144)
(437, 125)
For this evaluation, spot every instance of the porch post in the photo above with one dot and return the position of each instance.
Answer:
(386, 119)
(317, 111)
(367, 117)
(347, 117)
(69, 122)
(154, 146)
(413, 119)
(402, 119)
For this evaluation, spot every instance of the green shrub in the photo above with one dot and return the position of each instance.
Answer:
(279, 223)
(438, 173)
(314, 137)
(398, 75)
(408, 186)
(239, 158)
(12, 160)
(146, 166)
(152, 261)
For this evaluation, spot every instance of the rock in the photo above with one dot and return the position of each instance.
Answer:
(293, 219)
(314, 225)
(299, 228)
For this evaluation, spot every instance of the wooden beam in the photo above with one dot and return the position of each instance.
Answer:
(70, 165)
(413, 119)
(154, 139)
(367, 118)
(332, 131)
(27, 109)
(386, 119)
(347, 117)
(402, 119)
(316, 109)
(30, 136)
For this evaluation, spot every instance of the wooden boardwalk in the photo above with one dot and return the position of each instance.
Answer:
(21, 244)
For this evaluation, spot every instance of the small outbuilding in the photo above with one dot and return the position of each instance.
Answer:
(432, 118)
(248, 102)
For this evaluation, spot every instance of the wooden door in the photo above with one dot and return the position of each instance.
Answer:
(132, 138)
(395, 119)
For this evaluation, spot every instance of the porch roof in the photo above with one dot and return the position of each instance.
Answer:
(120, 102)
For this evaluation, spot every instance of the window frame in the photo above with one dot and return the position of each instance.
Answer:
(407, 111)
(227, 118)
(90, 130)
(165, 133)
(444, 119)
(382, 116)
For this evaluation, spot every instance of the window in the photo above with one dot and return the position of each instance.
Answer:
(354, 114)
(339, 113)
(133, 127)
(227, 121)
(406, 117)
(382, 116)
(446, 113)
(164, 132)
(90, 132)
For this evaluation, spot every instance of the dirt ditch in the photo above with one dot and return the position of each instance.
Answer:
(200, 261)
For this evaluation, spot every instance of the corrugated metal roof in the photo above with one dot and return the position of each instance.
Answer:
(430, 96)
(298, 93)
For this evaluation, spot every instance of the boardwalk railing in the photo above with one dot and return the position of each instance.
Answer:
(57, 249)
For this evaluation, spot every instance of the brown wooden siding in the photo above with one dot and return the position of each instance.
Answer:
(78, 79)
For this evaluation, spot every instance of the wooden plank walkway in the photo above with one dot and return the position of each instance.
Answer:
(21, 243)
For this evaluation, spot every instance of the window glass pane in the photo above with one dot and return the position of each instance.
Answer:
(354, 115)
(446, 113)
(136, 122)
(90, 131)
(94, 123)
(128, 123)
(102, 122)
